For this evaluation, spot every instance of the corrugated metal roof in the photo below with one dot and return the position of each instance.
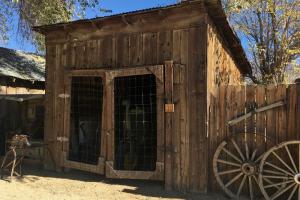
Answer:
(18, 64)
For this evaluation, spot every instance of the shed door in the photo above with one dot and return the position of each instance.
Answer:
(136, 139)
(84, 121)
(135, 122)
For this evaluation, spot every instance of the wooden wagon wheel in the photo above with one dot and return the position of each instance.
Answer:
(279, 176)
(236, 162)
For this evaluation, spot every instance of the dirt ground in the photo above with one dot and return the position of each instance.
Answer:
(38, 184)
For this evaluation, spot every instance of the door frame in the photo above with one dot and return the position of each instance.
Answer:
(106, 159)
(158, 174)
(99, 168)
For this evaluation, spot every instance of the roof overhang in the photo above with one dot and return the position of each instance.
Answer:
(218, 15)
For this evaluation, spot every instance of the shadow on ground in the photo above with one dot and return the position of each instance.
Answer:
(34, 173)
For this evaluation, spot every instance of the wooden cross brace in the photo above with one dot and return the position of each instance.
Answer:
(256, 110)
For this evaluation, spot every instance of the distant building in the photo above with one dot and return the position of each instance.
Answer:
(21, 73)
(22, 89)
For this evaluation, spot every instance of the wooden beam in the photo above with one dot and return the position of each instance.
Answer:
(258, 110)
(157, 175)
(168, 124)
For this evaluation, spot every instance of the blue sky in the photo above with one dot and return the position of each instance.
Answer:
(117, 6)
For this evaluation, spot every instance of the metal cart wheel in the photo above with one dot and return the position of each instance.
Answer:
(236, 162)
(279, 176)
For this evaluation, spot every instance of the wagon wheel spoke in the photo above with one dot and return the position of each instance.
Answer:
(278, 184)
(250, 187)
(232, 155)
(269, 181)
(229, 163)
(281, 192)
(259, 158)
(273, 172)
(284, 163)
(256, 180)
(233, 180)
(238, 149)
(254, 154)
(277, 177)
(279, 169)
(229, 171)
(291, 159)
(293, 192)
(241, 186)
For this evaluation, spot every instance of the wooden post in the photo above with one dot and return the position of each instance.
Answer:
(168, 124)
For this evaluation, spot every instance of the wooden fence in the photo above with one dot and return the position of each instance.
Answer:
(279, 124)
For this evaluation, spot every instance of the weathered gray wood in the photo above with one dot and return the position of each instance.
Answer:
(258, 110)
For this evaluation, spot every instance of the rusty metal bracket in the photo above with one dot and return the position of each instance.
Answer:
(254, 111)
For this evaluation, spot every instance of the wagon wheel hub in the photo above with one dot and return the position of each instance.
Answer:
(297, 178)
(249, 168)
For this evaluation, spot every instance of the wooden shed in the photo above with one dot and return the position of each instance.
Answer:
(127, 95)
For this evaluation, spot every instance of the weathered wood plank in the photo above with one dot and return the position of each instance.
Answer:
(270, 98)
(107, 52)
(165, 45)
(184, 114)
(109, 118)
(176, 137)
(136, 49)
(169, 120)
(281, 116)
(291, 112)
(213, 139)
(150, 48)
(105, 119)
(197, 104)
(49, 137)
(122, 51)
(59, 104)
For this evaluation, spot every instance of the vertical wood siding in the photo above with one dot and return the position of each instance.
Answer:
(186, 47)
